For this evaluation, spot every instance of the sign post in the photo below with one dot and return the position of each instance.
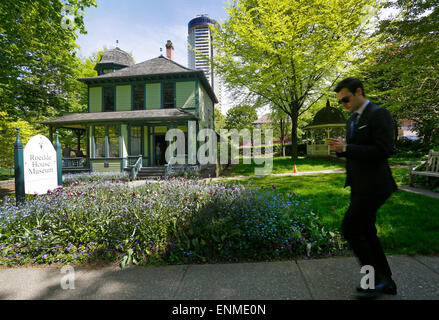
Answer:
(58, 160)
(19, 169)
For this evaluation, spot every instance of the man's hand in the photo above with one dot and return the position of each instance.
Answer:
(336, 145)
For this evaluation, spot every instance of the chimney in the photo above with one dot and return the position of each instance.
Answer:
(169, 50)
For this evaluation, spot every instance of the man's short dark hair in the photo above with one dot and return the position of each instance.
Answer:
(351, 84)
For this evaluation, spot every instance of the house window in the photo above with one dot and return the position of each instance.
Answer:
(108, 98)
(99, 141)
(113, 141)
(135, 141)
(168, 95)
(138, 97)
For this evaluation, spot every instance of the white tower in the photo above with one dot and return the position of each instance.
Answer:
(200, 39)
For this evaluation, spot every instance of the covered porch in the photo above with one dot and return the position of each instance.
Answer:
(118, 141)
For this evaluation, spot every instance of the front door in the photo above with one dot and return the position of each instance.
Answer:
(160, 145)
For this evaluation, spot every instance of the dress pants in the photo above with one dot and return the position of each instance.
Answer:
(358, 228)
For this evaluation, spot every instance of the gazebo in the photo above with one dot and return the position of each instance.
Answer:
(329, 122)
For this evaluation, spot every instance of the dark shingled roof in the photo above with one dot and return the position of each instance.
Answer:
(118, 116)
(159, 66)
(328, 115)
(116, 56)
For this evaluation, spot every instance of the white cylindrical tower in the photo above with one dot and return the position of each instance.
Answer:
(200, 39)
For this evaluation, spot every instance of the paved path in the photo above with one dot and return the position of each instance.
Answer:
(316, 279)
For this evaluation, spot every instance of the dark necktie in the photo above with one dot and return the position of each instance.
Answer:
(353, 124)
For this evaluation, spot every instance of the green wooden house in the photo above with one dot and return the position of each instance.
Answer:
(131, 107)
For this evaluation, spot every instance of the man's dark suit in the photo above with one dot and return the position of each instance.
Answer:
(369, 176)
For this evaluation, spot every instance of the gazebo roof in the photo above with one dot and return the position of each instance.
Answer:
(328, 115)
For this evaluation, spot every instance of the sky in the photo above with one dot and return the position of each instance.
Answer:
(142, 27)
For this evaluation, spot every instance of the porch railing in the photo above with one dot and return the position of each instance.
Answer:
(75, 163)
(132, 160)
(135, 168)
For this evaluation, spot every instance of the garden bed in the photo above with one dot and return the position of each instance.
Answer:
(174, 221)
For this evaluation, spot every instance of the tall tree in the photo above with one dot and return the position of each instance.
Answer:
(403, 74)
(38, 60)
(286, 51)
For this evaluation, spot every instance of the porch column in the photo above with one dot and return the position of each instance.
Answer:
(107, 143)
(121, 153)
(149, 146)
(87, 130)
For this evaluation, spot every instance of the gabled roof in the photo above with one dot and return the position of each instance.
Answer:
(150, 69)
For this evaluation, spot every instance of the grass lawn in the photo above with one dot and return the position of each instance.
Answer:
(303, 164)
(285, 165)
(407, 223)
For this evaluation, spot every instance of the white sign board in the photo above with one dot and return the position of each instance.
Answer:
(40, 171)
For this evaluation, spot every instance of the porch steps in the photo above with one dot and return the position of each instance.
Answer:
(151, 172)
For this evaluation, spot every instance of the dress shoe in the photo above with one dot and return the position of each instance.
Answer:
(386, 286)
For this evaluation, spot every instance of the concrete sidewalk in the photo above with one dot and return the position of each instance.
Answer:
(317, 279)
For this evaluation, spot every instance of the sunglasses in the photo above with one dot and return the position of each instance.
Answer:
(344, 100)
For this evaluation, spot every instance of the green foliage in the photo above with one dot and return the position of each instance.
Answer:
(415, 18)
(241, 117)
(404, 78)
(38, 61)
(8, 135)
(219, 120)
(402, 74)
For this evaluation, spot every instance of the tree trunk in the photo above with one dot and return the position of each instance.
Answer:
(294, 124)
(282, 136)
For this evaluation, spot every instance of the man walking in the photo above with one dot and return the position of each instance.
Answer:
(368, 145)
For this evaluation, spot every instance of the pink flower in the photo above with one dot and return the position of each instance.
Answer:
(134, 194)
(92, 195)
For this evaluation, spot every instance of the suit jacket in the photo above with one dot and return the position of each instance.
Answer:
(367, 151)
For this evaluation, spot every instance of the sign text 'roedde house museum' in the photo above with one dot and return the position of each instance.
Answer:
(40, 170)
